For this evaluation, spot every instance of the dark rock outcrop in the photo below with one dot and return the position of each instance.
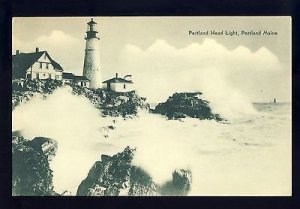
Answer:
(117, 176)
(110, 103)
(31, 174)
(180, 184)
(182, 105)
(24, 89)
(114, 176)
(114, 103)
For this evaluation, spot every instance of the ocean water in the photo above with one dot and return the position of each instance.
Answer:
(249, 156)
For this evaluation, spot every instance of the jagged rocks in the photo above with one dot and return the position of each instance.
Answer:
(182, 105)
(141, 184)
(43, 145)
(31, 174)
(180, 184)
(117, 176)
(25, 89)
(122, 104)
(110, 103)
(42, 86)
(19, 97)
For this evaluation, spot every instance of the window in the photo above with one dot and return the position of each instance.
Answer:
(28, 76)
(45, 56)
(124, 86)
(47, 65)
(41, 65)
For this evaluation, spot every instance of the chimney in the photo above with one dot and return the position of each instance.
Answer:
(116, 75)
(17, 51)
(37, 49)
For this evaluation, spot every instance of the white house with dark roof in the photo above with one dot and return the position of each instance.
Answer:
(35, 65)
(119, 84)
(39, 65)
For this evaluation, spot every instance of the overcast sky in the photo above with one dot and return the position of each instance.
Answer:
(160, 53)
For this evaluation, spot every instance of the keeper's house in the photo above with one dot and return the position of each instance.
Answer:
(119, 84)
(36, 65)
(39, 65)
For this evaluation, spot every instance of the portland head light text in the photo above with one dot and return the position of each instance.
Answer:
(199, 32)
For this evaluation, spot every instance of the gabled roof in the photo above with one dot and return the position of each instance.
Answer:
(117, 80)
(21, 62)
(71, 76)
(55, 64)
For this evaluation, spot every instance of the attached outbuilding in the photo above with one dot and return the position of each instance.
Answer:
(75, 79)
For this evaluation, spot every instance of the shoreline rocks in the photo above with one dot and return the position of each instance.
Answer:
(31, 174)
(108, 102)
(183, 105)
(115, 176)
(180, 185)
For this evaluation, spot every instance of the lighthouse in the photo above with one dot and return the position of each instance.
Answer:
(91, 67)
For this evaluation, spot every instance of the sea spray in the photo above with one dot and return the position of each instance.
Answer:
(249, 156)
(70, 120)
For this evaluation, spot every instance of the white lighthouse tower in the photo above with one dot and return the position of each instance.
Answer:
(91, 67)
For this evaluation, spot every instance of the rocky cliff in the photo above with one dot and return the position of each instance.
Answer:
(31, 174)
(182, 105)
(110, 103)
(112, 176)
(113, 103)
(115, 175)
(23, 90)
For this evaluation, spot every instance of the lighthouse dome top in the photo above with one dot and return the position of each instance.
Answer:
(91, 22)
